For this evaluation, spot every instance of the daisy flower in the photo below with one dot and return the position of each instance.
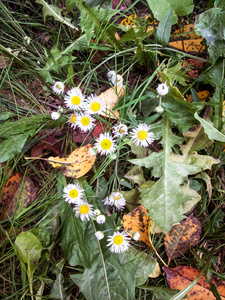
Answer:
(136, 235)
(141, 135)
(84, 210)
(73, 193)
(93, 105)
(58, 87)
(73, 120)
(74, 99)
(120, 130)
(118, 242)
(115, 79)
(97, 212)
(162, 89)
(105, 144)
(85, 122)
(55, 115)
(117, 199)
(99, 235)
(100, 219)
(106, 201)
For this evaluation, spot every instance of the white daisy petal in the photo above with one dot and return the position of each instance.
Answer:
(118, 242)
(85, 122)
(100, 219)
(97, 212)
(141, 135)
(117, 199)
(116, 79)
(84, 210)
(55, 115)
(136, 235)
(73, 193)
(93, 105)
(106, 201)
(58, 87)
(73, 120)
(74, 99)
(120, 130)
(99, 235)
(105, 144)
(162, 89)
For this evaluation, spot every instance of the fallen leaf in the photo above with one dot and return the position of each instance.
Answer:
(180, 277)
(82, 137)
(16, 195)
(138, 221)
(77, 164)
(132, 20)
(186, 32)
(182, 237)
(203, 96)
(191, 46)
(109, 99)
(51, 143)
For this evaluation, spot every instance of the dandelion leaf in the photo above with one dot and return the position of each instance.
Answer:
(77, 164)
(55, 12)
(166, 199)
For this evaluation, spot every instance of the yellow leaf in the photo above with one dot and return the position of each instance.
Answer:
(186, 32)
(128, 23)
(109, 99)
(192, 45)
(77, 164)
(203, 95)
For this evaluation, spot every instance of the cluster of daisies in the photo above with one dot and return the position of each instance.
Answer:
(84, 109)
(74, 194)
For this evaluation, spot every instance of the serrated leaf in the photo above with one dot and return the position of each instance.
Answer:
(55, 12)
(95, 21)
(210, 25)
(165, 201)
(164, 28)
(210, 130)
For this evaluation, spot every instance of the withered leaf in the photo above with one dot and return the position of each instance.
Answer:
(77, 164)
(182, 276)
(181, 237)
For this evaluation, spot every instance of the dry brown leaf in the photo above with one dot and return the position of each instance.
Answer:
(138, 221)
(109, 99)
(16, 195)
(181, 237)
(77, 164)
(180, 277)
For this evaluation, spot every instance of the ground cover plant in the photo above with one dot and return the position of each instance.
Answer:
(112, 149)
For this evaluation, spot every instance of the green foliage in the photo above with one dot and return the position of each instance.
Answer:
(164, 28)
(210, 25)
(166, 200)
(180, 8)
(55, 12)
(58, 290)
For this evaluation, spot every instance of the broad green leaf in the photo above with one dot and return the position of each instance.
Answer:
(11, 146)
(58, 290)
(27, 126)
(164, 28)
(95, 21)
(177, 74)
(42, 235)
(160, 292)
(165, 201)
(59, 59)
(180, 8)
(210, 25)
(6, 115)
(210, 130)
(55, 12)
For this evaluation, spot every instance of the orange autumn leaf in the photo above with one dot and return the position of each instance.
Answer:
(203, 95)
(16, 195)
(192, 46)
(138, 221)
(181, 237)
(181, 277)
(77, 164)
(186, 33)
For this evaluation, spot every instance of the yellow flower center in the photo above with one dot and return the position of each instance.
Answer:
(84, 209)
(121, 130)
(73, 193)
(117, 198)
(85, 121)
(118, 240)
(73, 119)
(76, 100)
(95, 106)
(58, 86)
(106, 144)
(142, 135)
